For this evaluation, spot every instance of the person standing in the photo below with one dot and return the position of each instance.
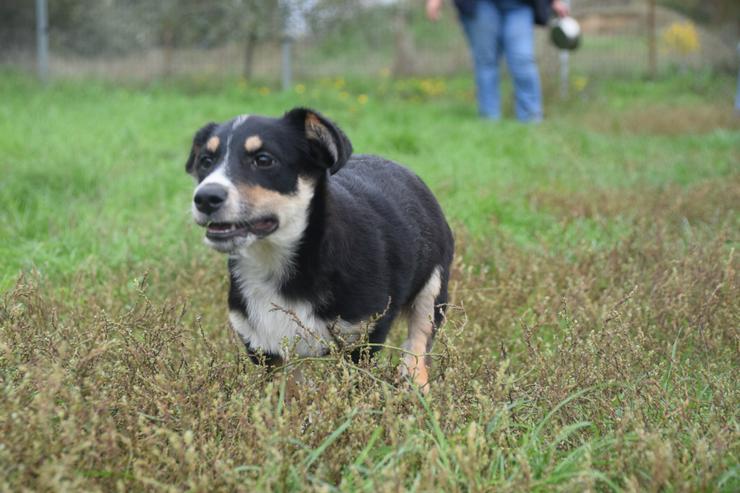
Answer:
(496, 27)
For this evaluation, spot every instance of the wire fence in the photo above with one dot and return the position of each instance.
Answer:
(145, 40)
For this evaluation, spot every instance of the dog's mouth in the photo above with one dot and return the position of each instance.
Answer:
(260, 227)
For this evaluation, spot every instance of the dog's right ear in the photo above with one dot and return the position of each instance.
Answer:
(332, 146)
(199, 140)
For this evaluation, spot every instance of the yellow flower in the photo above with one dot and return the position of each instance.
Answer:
(343, 95)
(264, 91)
(682, 38)
(300, 88)
(339, 83)
(362, 99)
(432, 87)
(580, 83)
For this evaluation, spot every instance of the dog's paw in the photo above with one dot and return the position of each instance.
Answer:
(413, 370)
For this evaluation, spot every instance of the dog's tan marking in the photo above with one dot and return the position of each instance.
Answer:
(253, 143)
(318, 131)
(262, 198)
(266, 200)
(312, 120)
(213, 143)
(421, 326)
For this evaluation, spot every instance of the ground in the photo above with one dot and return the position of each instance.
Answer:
(592, 342)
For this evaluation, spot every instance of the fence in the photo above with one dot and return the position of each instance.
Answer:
(140, 40)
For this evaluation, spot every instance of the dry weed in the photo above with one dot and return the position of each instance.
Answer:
(609, 368)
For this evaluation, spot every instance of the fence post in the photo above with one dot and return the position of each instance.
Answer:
(652, 42)
(42, 40)
(565, 65)
(737, 94)
(287, 48)
(564, 73)
(287, 65)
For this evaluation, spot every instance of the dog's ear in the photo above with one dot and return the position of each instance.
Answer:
(327, 141)
(199, 140)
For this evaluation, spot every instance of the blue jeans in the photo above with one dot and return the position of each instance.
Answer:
(504, 26)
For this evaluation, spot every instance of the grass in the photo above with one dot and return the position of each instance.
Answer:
(593, 341)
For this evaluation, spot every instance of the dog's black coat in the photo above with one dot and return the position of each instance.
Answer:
(375, 233)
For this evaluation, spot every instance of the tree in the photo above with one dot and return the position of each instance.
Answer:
(256, 21)
(405, 51)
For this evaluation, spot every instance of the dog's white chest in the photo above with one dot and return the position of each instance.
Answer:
(276, 325)
(273, 324)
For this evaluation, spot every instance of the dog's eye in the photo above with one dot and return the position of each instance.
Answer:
(206, 162)
(263, 161)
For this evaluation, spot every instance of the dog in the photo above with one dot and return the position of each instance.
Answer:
(319, 241)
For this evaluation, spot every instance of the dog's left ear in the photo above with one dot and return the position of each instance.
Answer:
(331, 147)
(199, 140)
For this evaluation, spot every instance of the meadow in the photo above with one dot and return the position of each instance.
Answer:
(592, 343)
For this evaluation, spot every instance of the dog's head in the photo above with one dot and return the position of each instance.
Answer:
(256, 175)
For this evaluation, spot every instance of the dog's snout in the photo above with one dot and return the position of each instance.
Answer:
(209, 198)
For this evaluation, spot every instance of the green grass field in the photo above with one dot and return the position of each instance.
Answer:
(592, 344)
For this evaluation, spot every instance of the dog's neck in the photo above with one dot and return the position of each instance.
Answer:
(294, 248)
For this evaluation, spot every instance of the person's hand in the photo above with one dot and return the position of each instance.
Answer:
(560, 8)
(433, 8)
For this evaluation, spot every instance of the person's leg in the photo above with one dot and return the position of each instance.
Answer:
(482, 30)
(517, 24)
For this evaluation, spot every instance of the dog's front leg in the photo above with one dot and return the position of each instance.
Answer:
(421, 333)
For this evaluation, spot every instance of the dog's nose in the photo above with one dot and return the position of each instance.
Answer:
(209, 198)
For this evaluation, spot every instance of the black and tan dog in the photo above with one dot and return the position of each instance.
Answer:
(319, 241)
